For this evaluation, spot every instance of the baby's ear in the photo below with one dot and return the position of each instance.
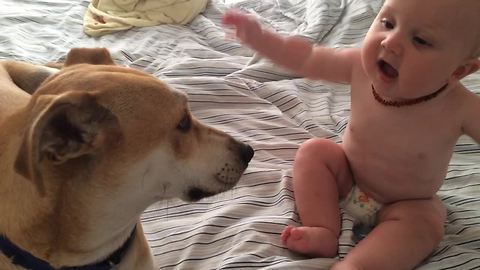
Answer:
(466, 69)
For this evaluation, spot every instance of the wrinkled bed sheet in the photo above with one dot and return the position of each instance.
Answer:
(258, 103)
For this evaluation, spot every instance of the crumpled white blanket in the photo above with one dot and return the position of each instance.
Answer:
(108, 16)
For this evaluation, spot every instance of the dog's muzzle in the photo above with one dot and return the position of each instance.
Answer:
(229, 175)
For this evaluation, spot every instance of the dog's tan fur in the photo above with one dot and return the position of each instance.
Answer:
(85, 149)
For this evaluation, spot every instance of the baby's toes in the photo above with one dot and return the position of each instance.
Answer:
(286, 234)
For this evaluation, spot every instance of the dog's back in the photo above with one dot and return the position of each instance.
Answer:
(17, 81)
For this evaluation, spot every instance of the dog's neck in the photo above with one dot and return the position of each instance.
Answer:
(23, 258)
(62, 224)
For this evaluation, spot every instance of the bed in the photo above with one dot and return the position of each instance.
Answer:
(271, 109)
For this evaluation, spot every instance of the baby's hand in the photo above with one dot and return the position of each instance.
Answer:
(247, 28)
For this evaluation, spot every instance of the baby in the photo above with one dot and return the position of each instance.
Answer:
(408, 109)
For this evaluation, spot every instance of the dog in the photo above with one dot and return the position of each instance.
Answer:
(85, 149)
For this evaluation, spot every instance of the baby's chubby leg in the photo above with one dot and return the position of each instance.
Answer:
(407, 232)
(321, 174)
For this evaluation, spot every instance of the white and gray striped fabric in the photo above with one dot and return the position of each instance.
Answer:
(258, 103)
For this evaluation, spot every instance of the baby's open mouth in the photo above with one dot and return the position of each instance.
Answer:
(387, 69)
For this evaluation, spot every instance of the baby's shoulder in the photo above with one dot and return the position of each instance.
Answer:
(465, 94)
(465, 103)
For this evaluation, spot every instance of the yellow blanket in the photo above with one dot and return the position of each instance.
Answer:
(108, 16)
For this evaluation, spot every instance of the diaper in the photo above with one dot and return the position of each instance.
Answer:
(361, 207)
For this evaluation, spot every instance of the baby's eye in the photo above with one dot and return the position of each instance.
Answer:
(422, 42)
(387, 24)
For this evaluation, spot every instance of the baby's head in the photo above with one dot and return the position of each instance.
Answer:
(420, 46)
(461, 16)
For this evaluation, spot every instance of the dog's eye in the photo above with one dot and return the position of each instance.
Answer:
(185, 124)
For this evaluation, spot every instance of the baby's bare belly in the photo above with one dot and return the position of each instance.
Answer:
(389, 172)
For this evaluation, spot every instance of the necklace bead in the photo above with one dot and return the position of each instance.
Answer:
(409, 102)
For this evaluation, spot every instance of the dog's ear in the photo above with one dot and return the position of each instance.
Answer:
(69, 127)
(94, 56)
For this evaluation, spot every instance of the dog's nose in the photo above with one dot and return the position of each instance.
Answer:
(246, 153)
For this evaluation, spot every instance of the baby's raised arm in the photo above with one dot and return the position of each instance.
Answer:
(293, 52)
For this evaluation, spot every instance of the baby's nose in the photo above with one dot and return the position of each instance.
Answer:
(393, 43)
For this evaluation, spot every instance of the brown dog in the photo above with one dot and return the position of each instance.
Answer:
(85, 149)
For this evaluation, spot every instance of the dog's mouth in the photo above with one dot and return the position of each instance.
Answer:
(196, 194)
(387, 70)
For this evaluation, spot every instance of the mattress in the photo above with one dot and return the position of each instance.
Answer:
(273, 110)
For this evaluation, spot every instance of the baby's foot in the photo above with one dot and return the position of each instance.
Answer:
(312, 241)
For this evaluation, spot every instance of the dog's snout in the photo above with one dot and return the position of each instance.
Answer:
(246, 153)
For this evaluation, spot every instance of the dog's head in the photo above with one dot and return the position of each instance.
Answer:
(120, 129)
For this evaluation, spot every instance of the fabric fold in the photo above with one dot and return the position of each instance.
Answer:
(109, 16)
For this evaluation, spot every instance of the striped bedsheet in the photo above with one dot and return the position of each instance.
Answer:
(271, 109)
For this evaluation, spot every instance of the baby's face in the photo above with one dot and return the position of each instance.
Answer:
(415, 47)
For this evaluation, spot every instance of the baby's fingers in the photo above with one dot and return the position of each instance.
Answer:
(245, 27)
(233, 18)
(240, 20)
